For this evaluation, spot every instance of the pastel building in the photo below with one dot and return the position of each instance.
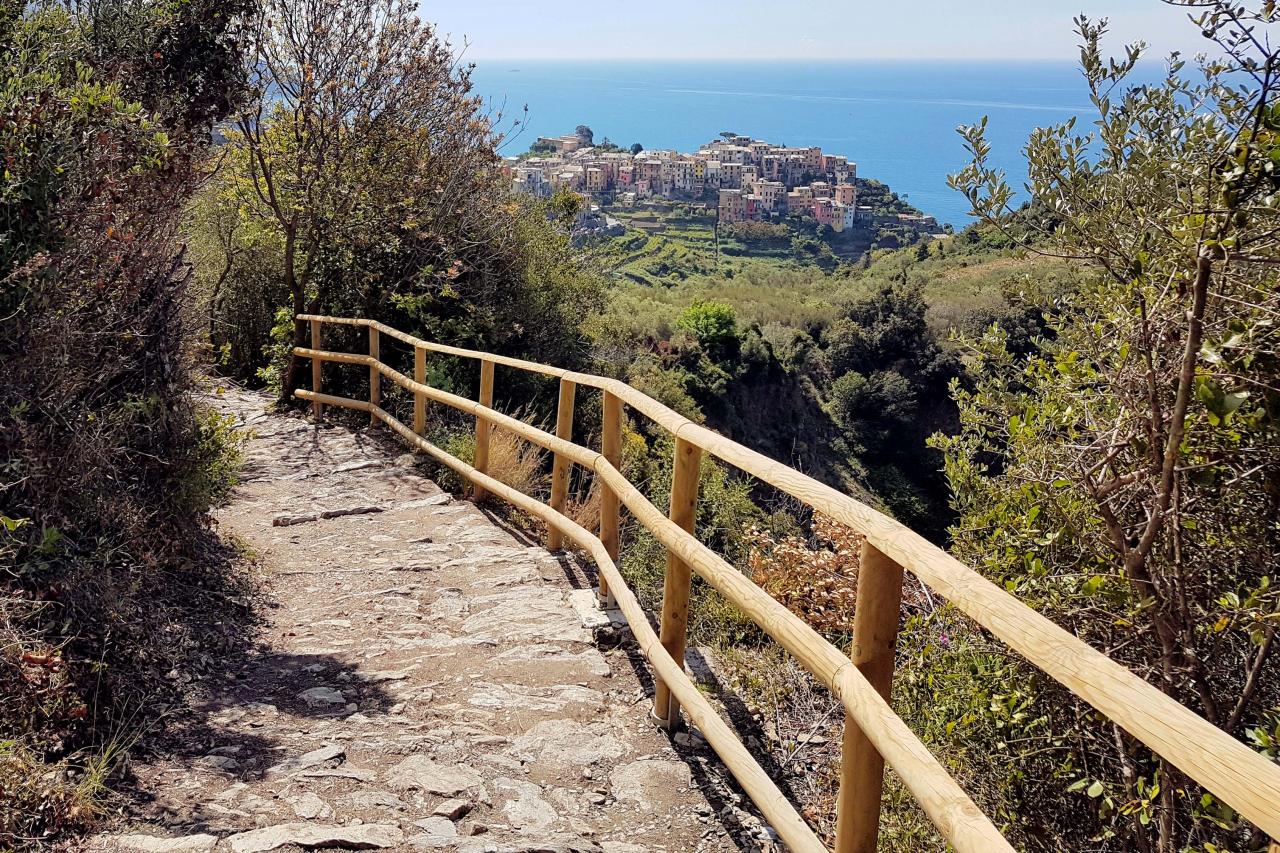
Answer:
(711, 173)
(733, 206)
(848, 215)
(824, 210)
(800, 200)
(773, 194)
(570, 179)
(812, 158)
(566, 143)
(730, 175)
(736, 154)
(749, 178)
(841, 169)
(531, 181)
(685, 175)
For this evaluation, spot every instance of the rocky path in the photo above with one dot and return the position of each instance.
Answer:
(426, 680)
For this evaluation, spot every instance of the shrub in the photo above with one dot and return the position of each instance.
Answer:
(715, 326)
(104, 466)
(1121, 477)
(215, 463)
(818, 585)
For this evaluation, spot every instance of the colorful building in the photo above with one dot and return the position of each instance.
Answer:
(732, 207)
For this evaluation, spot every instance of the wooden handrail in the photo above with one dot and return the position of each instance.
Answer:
(753, 778)
(1235, 774)
(956, 816)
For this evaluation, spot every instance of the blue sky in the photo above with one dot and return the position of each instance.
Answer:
(832, 29)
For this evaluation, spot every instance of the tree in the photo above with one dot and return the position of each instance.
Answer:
(366, 177)
(585, 137)
(636, 148)
(864, 405)
(888, 392)
(1124, 478)
(347, 91)
(715, 326)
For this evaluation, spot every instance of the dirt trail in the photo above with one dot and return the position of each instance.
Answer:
(426, 679)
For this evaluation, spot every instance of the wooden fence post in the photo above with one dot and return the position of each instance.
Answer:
(875, 633)
(611, 449)
(375, 378)
(483, 428)
(419, 399)
(675, 587)
(560, 467)
(317, 367)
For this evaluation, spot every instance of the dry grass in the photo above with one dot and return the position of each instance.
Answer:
(518, 463)
(584, 508)
(798, 724)
(798, 727)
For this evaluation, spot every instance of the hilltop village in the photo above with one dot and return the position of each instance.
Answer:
(747, 179)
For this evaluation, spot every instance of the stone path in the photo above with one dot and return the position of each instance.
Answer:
(425, 681)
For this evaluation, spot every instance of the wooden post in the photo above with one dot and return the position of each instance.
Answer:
(419, 399)
(483, 427)
(675, 588)
(560, 467)
(375, 378)
(611, 449)
(317, 366)
(875, 633)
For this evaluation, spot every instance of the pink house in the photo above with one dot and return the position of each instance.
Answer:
(824, 211)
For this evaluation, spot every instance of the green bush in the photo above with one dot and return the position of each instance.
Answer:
(105, 568)
(1120, 477)
(216, 459)
(715, 326)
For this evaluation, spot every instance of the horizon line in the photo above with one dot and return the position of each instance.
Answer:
(1045, 59)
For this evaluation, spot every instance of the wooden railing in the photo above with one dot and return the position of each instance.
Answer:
(873, 733)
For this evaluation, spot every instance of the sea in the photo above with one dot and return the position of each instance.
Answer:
(896, 119)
